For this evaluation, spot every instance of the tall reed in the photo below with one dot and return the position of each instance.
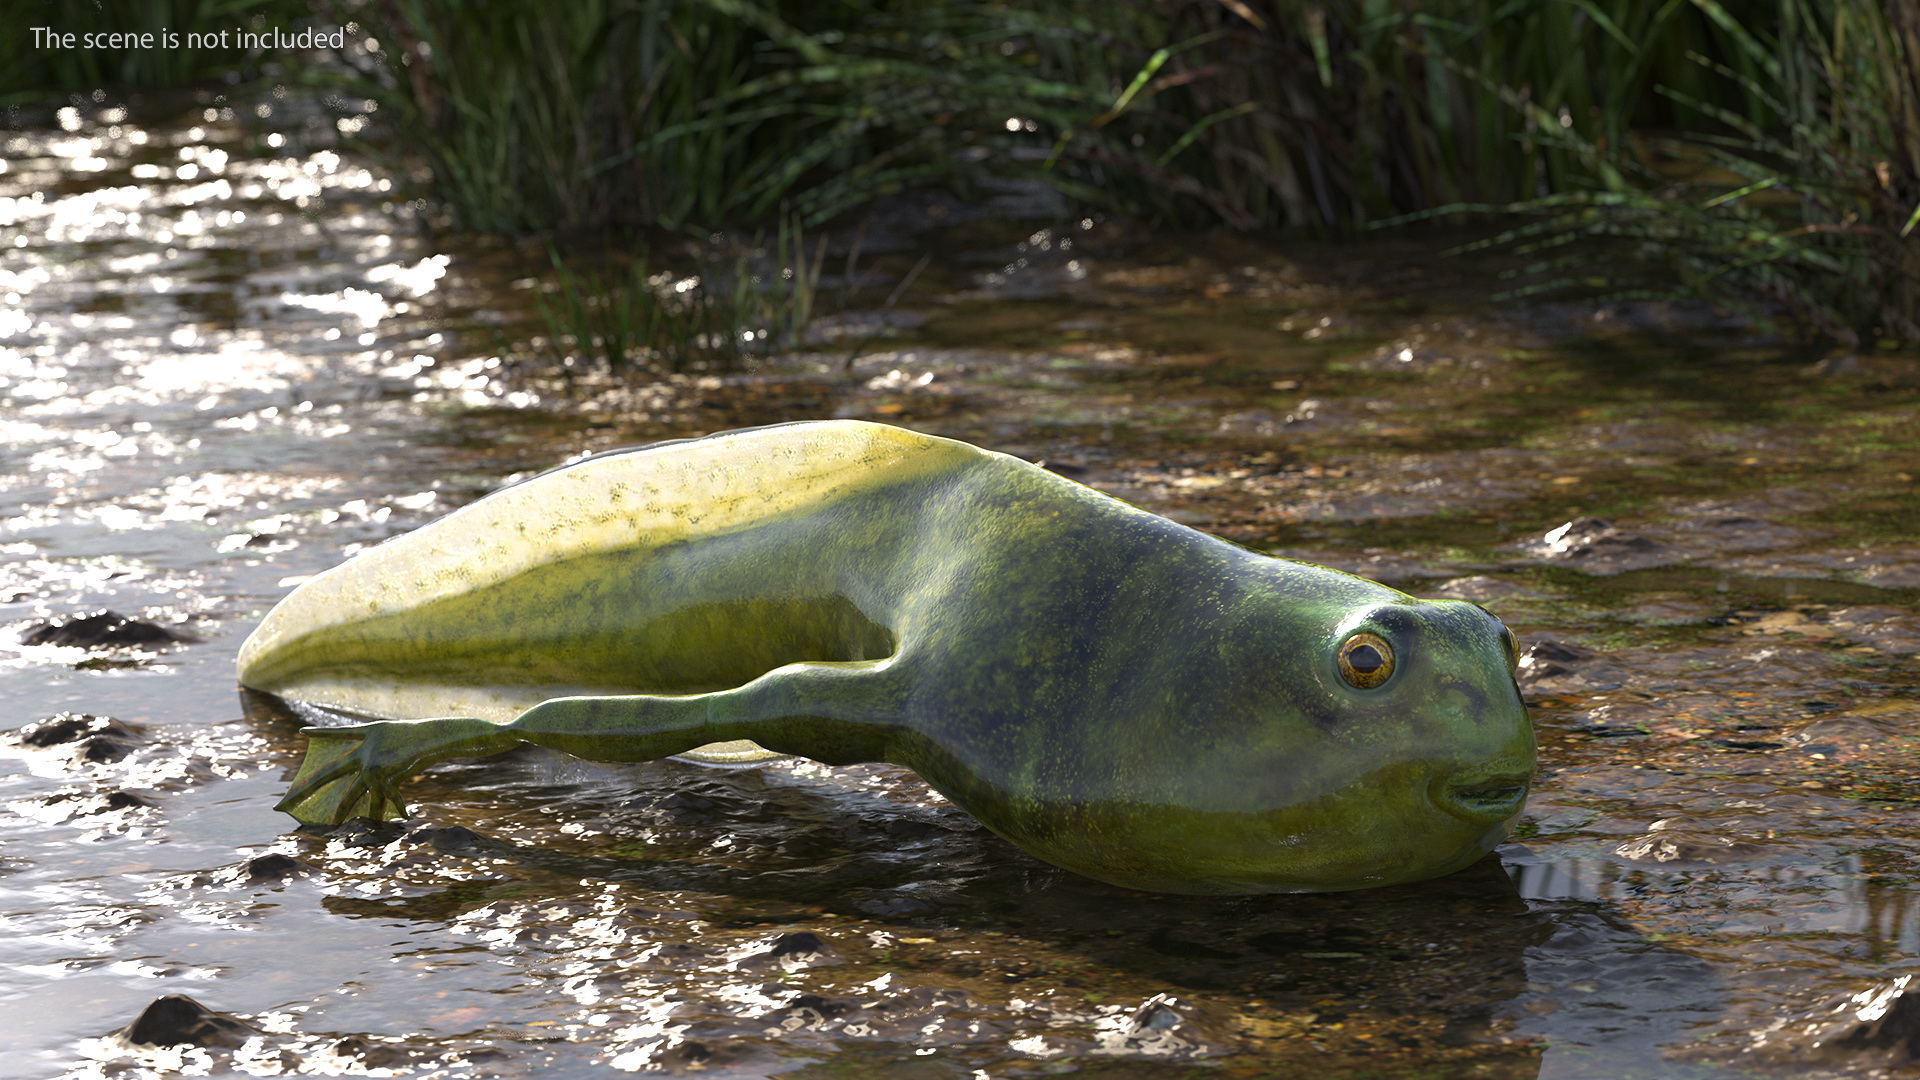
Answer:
(1323, 115)
(1808, 212)
(631, 113)
(1257, 112)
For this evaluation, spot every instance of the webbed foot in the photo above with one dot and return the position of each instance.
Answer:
(355, 771)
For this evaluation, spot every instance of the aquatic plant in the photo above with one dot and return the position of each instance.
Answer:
(1260, 113)
(1331, 116)
(640, 113)
(1758, 152)
(722, 307)
(1808, 211)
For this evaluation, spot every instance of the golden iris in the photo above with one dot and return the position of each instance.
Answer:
(1366, 661)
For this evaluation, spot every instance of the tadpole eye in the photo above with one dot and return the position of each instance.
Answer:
(1513, 648)
(1366, 661)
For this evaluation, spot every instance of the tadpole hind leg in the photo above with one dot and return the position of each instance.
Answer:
(355, 771)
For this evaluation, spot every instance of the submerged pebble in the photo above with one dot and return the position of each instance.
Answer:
(178, 1020)
(103, 629)
(94, 738)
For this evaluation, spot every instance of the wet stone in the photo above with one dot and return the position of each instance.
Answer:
(1891, 573)
(1885, 630)
(103, 629)
(1482, 588)
(1553, 666)
(1616, 721)
(444, 838)
(1878, 1026)
(797, 944)
(372, 1055)
(178, 1020)
(1681, 847)
(683, 1056)
(892, 903)
(1885, 726)
(1728, 533)
(676, 955)
(1385, 567)
(1669, 610)
(75, 805)
(274, 867)
(811, 1012)
(125, 800)
(362, 833)
(1595, 546)
(1165, 1026)
(100, 739)
(1884, 567)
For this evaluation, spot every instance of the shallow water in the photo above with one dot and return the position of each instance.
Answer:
(216, 381)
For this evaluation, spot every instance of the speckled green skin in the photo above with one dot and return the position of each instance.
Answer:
(1113, 692)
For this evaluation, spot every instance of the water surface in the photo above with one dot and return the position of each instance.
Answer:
(231, 356)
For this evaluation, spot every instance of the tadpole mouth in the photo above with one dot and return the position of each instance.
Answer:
(1484, 798)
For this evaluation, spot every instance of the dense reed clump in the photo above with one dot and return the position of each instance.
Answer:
(664, 113)
(1808, 210)
(1335, 115)
(1261, 113)
(1762, 152)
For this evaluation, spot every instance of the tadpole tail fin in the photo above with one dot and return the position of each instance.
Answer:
(355, 771)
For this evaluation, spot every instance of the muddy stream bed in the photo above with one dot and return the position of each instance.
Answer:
(228, 359)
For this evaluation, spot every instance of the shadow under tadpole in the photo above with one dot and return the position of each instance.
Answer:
(1496, 952)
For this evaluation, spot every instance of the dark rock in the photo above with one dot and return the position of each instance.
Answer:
(178, 1020)
(687, 1055)
(1747, 744)
(1558, 651)
(793, 951)
(373, 1055)
(1550, 659)
(108, 663)
(98, 738)
(892, 904)
(1838, 364)
(447, 838)
(363, 832)
(85, 803)
(274, 866)
(1687, 848)
(1864, 1032)
(102, 629)
(104, 749)
(814, 1009)
(677, 955)
(722, 1054)
(1596, 546)
(1168, 1027)
(1480, 587)
(1608, 731)
(1885, 1019)
(800, 942)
